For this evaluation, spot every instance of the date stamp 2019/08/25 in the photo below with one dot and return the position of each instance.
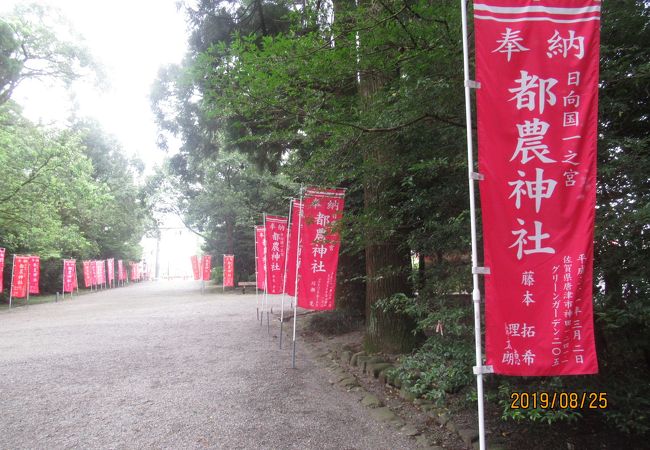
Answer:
(558, 400)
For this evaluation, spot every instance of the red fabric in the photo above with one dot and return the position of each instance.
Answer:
(2, 267)
(100, 270)
(537, 117)
(195, 267)
(276, 244)
(69, 270)
(229, 270)
(19, 279)
(120, 270)
(87, 275)
(34, 274)
(260, 267)
(206, 265)
(110, 265)
(319, 254)
(292, 251)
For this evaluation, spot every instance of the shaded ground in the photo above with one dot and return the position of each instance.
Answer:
(160, 365)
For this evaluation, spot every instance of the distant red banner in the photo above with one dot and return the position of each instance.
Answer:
(292, 251)
(110, 265)
(260, 257)
(19, 279)
(101, 271)
(276, 243)
(323, 208)
(228, 270)
(34, 274)
(86, 273)
(537, 128)
(2, 268)
(121, 276)
(134, 271)
(69, 275)
(195, 267)
(206, 266)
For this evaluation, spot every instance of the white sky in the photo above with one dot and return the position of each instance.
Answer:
(132, 39)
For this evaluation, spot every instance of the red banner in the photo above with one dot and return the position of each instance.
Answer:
(537, 118)
(2, 268)
(276, 245)
(206, 266)
(69, 274)
(110, 266)
(86, 273)
(228, 270)
(319, 255)
(93, 272)
(34, 274)
(19, 279)
(195, 267)
(260, 257)
(292, 251)
(121, 276)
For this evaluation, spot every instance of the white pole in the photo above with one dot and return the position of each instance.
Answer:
(265, 307)
(286, 262)
(11, 290)
(476, 293)
(29, 267)
(257, 300)
(295, 303)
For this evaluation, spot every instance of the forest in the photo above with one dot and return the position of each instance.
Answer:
(367, 96)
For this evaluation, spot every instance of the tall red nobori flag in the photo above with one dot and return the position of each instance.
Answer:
(195, 267)
(2, 267)
(20, 275)
(276, 243)
(206, 266)
(69, 274)
(260, 256)
(320, 241)
(228, 270)
(292, 251)
(86, 273)
(34, 274)
(121, 274)
(110, 266)
(537, 63)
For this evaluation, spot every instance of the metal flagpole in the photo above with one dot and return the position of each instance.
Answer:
(479, 368)
(13, 267)
(295, 303)
(29, 267)
(266, 273)
(266, 284)
(257, 299)
(286, 262)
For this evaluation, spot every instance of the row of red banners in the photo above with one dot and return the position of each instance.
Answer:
(303, 251)
(26, 274)
(537, 106)
(203, 268)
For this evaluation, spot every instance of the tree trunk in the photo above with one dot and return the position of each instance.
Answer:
(388, 261)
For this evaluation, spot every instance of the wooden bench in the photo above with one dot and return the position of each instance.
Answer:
(244, 284)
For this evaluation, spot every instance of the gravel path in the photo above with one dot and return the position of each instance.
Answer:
(158, 365)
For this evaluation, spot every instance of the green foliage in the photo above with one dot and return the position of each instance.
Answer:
(59, 200)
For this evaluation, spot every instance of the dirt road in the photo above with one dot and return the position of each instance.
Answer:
(158, 365)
